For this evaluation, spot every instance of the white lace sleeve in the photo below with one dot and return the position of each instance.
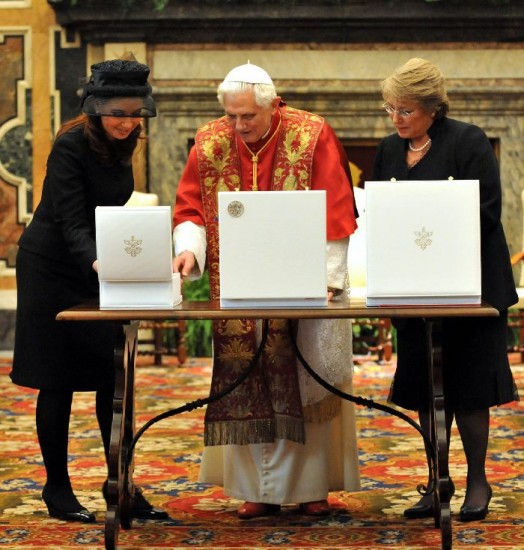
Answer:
(192, 237)
(337, 263)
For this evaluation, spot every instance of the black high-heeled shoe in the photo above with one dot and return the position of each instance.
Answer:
(426, 510)
(59, 512)
(475, 513)
(141, 508)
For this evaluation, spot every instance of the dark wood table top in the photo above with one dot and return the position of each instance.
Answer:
(353, 308)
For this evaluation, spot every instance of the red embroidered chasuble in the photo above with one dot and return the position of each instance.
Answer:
(267, 405)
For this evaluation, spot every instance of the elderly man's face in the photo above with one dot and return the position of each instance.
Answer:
(250, 121)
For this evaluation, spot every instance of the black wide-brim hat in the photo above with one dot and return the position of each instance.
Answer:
(119, 88)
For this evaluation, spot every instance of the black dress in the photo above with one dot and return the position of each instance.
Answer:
(475, 361)
(54, 272)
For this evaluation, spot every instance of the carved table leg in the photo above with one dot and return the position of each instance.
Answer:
(120, 485)
(439, 436)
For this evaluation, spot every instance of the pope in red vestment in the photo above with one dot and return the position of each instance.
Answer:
(279, 438)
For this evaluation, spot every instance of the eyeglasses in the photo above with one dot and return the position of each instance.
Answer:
(400, 112)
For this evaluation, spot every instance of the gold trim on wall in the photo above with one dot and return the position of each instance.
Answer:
(12, 4)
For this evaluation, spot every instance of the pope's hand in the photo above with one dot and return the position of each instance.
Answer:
(184, 263)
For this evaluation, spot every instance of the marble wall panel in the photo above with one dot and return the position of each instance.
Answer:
(483, 90)
(70, 75)
(15, 145)
(11, 64)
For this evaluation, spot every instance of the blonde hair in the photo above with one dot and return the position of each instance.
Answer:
(421, 81)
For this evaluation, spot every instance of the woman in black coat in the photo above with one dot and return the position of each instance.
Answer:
(56, 268)
(477, 376)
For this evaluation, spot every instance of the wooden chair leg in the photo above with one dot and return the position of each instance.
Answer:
(379, 342)
(181, 342)
(521, 334)
(159, 344)
(156, 341)
(388, 343)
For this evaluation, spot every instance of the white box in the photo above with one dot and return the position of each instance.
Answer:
(272, 249)
(423, 243)
(134, 251)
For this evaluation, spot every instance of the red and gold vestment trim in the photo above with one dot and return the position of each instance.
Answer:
(267, 405)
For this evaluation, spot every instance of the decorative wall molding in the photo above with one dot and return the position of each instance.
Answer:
(16, 172)
(305, 66)
(67, 71)
(289, 21)
(13, 4)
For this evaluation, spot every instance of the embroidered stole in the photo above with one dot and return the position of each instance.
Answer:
(267, 405)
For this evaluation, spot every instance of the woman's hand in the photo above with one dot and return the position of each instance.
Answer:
(95, 265)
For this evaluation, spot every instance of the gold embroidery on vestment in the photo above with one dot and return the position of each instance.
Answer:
(217, 149)
(254, 431)
(237, 352)
(267, 405)
(233, 327)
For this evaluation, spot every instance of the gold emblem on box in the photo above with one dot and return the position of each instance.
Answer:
(423, 239)
(133, 246)
(235, 209)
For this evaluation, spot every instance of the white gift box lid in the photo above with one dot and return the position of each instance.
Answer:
(134, 252)
(423, 242)
(272, 248)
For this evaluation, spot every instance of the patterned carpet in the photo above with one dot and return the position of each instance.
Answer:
(167, 462)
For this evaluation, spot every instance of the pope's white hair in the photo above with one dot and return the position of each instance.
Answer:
(264, 93)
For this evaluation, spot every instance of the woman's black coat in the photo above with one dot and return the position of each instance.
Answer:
(476, 370)
(461, 151)
(54, 272)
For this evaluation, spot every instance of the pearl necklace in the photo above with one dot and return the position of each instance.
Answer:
(418, 149)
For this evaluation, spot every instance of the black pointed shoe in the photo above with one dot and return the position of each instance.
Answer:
(426, 509)
(140, 507)
(73, 513)
(476, 513)
(420, 511)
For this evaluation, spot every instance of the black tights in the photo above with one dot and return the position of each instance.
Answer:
(53, 412)
(473, 427)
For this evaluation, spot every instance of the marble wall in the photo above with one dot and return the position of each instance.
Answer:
(484, 84)
(15, 146)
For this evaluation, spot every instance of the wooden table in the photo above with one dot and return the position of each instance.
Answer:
(124, 436)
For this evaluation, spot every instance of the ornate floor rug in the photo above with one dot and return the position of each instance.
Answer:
(167, 461)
